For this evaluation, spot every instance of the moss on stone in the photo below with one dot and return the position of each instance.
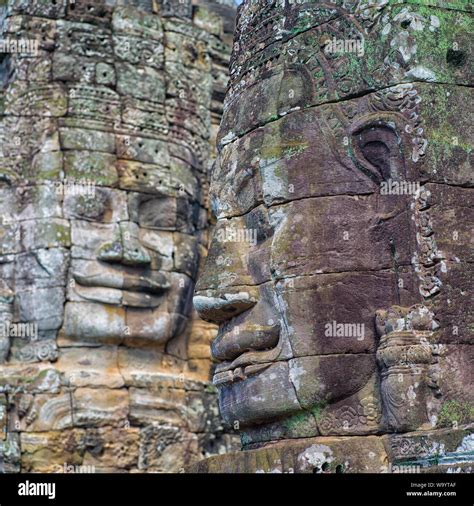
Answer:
(295, 421)
(453, 412)
(318, 409)
(211, 389)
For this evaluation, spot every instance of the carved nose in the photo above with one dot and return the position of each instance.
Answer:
(111, 251)
(126, 249)
(223, 308)
(135, 254)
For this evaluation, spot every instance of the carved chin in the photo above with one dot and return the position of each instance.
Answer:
(265, 396)
(286, 387)
(108, 324)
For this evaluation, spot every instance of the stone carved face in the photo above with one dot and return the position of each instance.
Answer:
(101, 196)
(122, 255)
(323, 253)
(320, 214)
(126, 260)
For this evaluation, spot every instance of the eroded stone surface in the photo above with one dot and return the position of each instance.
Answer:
(107, 134)
(437, 451)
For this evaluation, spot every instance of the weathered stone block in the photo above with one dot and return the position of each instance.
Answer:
(11, 452)
(45, 233)
(96, 369)
(99, 167)
(45, 268)
(86, 12)
(146, 368)
(45, 310)
(87, 140)
(163, 406)
(166, 449)
(47, 166)
(41, 99)
(95, 205)
(108, 325)
(32, 378)
(41, 201)
(94, 103)
(41, 412)
(88, 237)
(133, 21)
(143, 83)
(73, 68)
(310, 455)
(99, 407)
(143, 115)
(113, 448)
(145, 178)
(138, 51)
(144, 150)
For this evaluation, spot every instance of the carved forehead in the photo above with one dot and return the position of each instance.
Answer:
(374, 48)
(346, 68)
(311, 152)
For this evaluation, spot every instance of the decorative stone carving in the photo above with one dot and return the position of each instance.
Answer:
(404, 356)
(179, 9)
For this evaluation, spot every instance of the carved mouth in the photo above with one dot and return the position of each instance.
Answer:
(126, 290)
(238, 374)
(248, 364)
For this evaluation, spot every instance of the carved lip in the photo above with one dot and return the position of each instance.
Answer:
(238, 374)
(126, 290)
(156, 285)
(248, 364)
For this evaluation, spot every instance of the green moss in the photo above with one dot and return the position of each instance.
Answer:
(318, 409)
(210, 389)
(455, 412)
(54, 233)
(295, 422)
(434, 45)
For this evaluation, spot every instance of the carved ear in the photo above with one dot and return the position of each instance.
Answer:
(378, 152)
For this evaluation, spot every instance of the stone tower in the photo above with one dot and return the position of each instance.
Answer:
(340, 270)
(108, 111)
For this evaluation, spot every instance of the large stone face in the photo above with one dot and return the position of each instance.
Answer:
(107, 134)
(339, 268)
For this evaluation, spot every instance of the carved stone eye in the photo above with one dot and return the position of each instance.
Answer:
(378, 151)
